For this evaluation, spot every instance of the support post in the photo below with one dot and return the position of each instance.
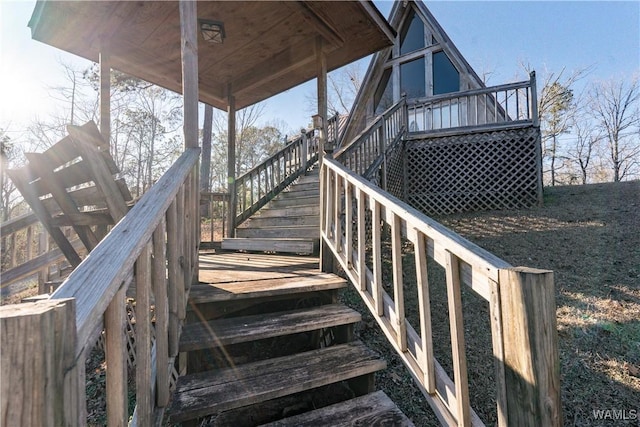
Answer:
(321, 64)
(105, 94)
(189, 52)
(305, 149)
(231, 163)
(42, 380)
(326, 256)
(531, 363)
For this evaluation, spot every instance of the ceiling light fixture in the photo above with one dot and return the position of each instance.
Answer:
(212, 31)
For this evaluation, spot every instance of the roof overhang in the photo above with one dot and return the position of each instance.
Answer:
(269, 46)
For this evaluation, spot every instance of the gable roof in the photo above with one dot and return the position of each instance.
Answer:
(269, 46)
(397, 20)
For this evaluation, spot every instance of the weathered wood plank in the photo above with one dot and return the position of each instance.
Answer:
(532, 367)
(144, 400)
(454, 298)
(206, 393)
(263, 288)
(297, 246)
(374, 409)
(159, 273)
(222, 332)
(116, 356)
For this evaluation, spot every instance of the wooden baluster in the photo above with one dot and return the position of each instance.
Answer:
(362, 236)
(143, 338)
(348, 219)
(396, 254)
(337, 211)
(424, 308)
(180, 284)
(173, 272)
(454, 297)
(116, 358)
(377, 257)
(162, 315)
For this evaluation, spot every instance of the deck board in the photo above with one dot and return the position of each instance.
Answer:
(228, 276)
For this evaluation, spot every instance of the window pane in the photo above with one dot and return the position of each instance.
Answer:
(445, 76)
(413, 36)
(383, 98)
(412, 80)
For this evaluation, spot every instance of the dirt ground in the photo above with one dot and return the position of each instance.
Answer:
(590, 237)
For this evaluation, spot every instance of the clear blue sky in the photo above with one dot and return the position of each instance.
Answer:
(494, 36)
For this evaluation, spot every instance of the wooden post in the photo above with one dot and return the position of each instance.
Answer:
(116, 358)
(326, 256)
(231, 164)
(105, 94)
(532, 367)
(305, 149)
(189, 52)
(42, 380)
(321, 63)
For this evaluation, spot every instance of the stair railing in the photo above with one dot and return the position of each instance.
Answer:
(255, 188)
(154, 249)
(377, 239)
(372, 143)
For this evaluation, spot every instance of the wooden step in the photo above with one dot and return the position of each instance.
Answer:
(312, 209)
(210, 392)
(304, 186)
(294, 283)
(280, 232)
(297, 201)
(281, 221)
(234, 330)
(294, 246)
(373, 409)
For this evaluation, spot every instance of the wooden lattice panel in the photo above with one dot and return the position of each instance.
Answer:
(478, 171)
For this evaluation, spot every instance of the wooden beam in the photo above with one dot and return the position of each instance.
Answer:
(320, 24)
(231, 163)
(189, 53)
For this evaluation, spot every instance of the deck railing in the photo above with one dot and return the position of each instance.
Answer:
(28, 255)
(367, 229)
(373, 142)
(491, 107)
(154, 248)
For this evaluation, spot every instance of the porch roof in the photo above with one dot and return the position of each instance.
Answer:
(269, 46)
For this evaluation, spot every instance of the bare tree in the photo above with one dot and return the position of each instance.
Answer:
(615, 105)
(583, 148)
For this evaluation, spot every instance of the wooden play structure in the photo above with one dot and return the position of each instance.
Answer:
(253, 333)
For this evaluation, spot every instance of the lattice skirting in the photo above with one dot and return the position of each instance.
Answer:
(478, 171)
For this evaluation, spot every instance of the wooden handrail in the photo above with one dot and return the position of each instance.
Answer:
(521, 301)
(154, 246)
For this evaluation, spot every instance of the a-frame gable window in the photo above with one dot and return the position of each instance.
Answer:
(412, 36)
(446, 77)
(412, 78)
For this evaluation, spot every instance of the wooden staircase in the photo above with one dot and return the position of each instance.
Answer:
(277, 350)
(289, 223)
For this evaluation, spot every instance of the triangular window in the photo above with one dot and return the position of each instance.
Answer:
(383, 97)
(446, 77)
(412, 35)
